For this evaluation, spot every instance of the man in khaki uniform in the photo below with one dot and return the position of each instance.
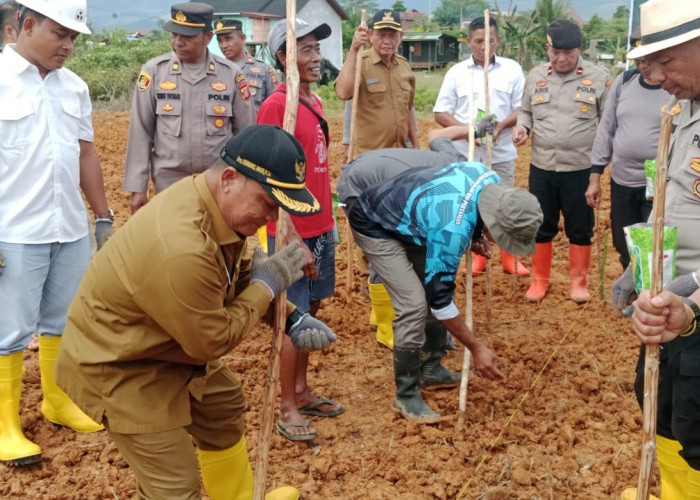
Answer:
(562, 103)
(385, 116)
(186, 106)
(170, 294)
(261, 77)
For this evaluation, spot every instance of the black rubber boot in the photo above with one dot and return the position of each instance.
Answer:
(408, 401)
(433, 375)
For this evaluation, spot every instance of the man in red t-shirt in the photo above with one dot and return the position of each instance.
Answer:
(315, 232)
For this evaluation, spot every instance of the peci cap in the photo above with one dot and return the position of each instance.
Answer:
(512, 216)
(278, 33)
(227, 26)
(71, 14)
(563, 34)
(386, 19)
(666, 23)
(189, 18)
(275, 159)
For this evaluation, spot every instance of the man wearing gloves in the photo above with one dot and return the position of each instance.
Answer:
(47, 157)
(167, 297)
(440, 210)
(561, 105)
(671, 45)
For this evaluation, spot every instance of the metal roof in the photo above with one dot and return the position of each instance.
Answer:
(416, 36)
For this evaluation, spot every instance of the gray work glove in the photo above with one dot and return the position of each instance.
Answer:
(683, 285)
(2, 261)
(623, 293)
(104, 229)
(280, 270)
(486, 124)
(311, 334)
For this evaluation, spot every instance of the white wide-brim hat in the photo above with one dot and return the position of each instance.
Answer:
(71, 14)
(666, 23)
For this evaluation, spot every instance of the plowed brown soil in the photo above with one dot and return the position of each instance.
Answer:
(563, 424)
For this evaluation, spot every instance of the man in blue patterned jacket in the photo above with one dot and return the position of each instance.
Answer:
(414, 229)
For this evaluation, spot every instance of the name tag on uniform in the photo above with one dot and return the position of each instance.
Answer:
(372, 80)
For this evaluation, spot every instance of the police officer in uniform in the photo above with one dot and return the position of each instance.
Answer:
(385, 115)
(187, 104)
(262, 78)
(562, 103)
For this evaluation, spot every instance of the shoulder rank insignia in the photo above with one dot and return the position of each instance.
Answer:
(251, 60)
(579, 70)
(549, 71)
(176, 66)
(676, 109)
(212, 67)
(219, 86)
(168, 85)
(168, 107)
(144, 81)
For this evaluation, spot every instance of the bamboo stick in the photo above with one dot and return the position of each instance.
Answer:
(280, 307)
(487, 145)
(651, 357)
(350, 257)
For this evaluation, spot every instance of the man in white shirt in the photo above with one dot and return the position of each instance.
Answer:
(506, 82)
(47, 157)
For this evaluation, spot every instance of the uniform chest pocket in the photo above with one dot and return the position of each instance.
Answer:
(16, 123)
(169, 115)
(539, 102)
(584, 106)
(70, 117)
(218, 115)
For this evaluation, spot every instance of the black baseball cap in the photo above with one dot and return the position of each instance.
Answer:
(275, 159)
(227, 26)
(189, 18)
(563, 34)
(386, 19)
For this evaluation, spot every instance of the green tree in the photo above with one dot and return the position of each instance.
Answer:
(622, 12)
(451, 12)
(551, 10)
(399, 6)
(354, 9)
(519, 36)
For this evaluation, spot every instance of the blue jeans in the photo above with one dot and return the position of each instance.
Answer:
(37, 285)
(304, 291)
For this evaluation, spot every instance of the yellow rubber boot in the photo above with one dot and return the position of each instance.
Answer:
(57, 407)
(692, 485)
(631, 494)
(227, 475)
(673, 469)
(15, 449)
(384, 314)
(262, 237)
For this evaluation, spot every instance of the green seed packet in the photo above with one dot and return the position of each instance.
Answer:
(640, 238)
(650, 174)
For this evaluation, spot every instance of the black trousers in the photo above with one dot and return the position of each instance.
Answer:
(678, 408)
(628, 205)
(563, 192)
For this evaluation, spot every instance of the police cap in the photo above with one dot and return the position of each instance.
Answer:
(189, 18)
(227, 26)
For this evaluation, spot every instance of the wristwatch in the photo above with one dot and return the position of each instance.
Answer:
(692, 328)
(104, 217)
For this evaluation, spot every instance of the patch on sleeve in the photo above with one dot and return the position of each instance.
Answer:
(696, 188)
(273, 75)
(608, 83)
(676, 109)
(243, 87)
(144, 81)
(695, 164)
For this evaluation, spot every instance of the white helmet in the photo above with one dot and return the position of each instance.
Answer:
(71, 14)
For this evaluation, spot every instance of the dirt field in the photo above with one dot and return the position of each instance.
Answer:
(563, 424)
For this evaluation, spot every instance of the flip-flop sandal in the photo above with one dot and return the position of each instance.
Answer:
(312, 409)
(282, 429)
